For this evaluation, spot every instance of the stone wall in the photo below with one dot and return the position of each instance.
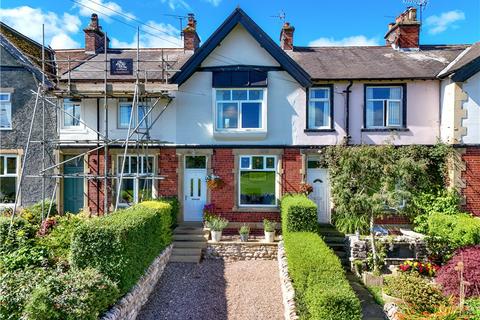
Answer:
(288, 293)
(130, 305)
(236, 251)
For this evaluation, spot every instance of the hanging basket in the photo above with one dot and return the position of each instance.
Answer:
(215, 183)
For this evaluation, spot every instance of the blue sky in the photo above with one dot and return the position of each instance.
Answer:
(347, 22)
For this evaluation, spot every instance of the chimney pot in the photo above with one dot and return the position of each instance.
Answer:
(94, 36)
(404, 32)
(191, 40)
(286, 36)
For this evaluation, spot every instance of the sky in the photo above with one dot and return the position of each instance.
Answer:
(317, 23)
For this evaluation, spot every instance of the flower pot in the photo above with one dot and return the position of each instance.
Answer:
(244, 237)
(269, 236)
(216, 235)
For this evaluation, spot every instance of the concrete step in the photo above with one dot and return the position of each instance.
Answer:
(341, 254)
(189, 230)
(331, 233)
(189, 244)
(184, 258)
(187, 251)
(189, 237)
(331, 239)
(336, 246)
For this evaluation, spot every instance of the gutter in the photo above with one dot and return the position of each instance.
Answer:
(347, 111)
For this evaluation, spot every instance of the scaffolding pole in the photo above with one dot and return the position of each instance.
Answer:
(43, 120)
(105, 149)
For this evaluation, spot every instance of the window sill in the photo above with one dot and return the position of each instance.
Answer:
(384, 129)
(319, 130)
(6, 129)
(274, 209)
(240, 135)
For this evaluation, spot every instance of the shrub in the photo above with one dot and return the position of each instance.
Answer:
(122, 245)
(298, 214)
(217, 223)
(21, 233)
(76, 294)
(175, 204)
(418, 293)
(29, 255)
(321, 289)
(269, 226)
(33, 213)
(448, 276)
(473, 307)
(459, 229)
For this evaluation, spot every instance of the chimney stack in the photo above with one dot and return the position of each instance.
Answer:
(405, 31)
(286, 36)
(94, 36)
(191, 40)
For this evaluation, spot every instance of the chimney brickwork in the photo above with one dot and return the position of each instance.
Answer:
(286, 36)
(94, 36)
(405, 32)
(191, 40)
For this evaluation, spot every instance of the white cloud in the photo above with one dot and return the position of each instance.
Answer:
(174, 4)
(167, 38)
(345, 42)
(438, 24)
(214, 3)
(28, 20)
(104, 10)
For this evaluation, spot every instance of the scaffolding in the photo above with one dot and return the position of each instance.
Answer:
(144, 93)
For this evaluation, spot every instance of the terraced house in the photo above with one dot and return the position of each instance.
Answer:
(240, 119)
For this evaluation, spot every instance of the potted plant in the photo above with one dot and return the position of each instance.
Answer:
(269, 229)
(208, 214)
(216, 226)
(244, 231)
(306, 189)
(214, 182)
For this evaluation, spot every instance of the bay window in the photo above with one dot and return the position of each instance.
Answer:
(72, 113)
(240, 109)
(319, 113)
(125, 112)
(384, 107)
(257, 181)
(137, 181)
(8, 178)
(5, 111)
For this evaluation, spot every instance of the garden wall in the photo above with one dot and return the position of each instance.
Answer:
(130, 305)
(236, 251)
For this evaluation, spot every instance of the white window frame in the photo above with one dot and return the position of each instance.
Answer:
(263, 104)
(140, 174)
(80, 125)
(136, 117)
(328, 100)
(8, 104)
(10, 175)
(386, 103)
(249, 169)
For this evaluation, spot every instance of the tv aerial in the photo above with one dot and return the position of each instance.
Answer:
(281, 16)
(421, 4)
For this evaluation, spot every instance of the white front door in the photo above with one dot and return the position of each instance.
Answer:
(318, 179)
(194, 188)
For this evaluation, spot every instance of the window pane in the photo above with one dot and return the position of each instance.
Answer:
(379, 93)
(314, 164)
(394, 113)
(142, 111)
(257, 163)
(319, 93)
(319, 114)
(227, 115)
(126, 191)
(134, 163)
(11, 165)
(147, 165)
(2, 165)
(145, 190)
(72, 113)
(5, 115)
(375, 114)
(255, 95)
(195, 162)
(239, 94)
(126, 169)
(251, 115)
(125, 111)
(396, 93)
(257, 188)
(270, 163)
(245, 163)
(4, 97)
(223, 95)
(7, 189)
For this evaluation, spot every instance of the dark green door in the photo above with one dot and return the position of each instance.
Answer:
(73, 186)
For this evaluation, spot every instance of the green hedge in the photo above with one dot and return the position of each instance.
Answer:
(298, 214)
(459, 229)
(321, 288)
(122, 245)
(173, 201)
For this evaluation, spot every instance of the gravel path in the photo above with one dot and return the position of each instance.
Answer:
(217, 290)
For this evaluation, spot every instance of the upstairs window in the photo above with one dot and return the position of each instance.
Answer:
(8, 178)
(384, 107)
(240, 109)
(257, 181)
(319, 108)
(125, 112)
(71, 113)
(5, 111)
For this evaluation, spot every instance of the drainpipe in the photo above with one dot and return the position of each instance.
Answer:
(98, 155)
(347, 111)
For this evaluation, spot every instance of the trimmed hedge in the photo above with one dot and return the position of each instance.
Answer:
(173, 201)
(122, 245)
(459, 230)
(321, 288)
(298, 214)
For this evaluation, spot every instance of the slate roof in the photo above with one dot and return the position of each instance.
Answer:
(465, 65)
(91, 66)
(374, 62)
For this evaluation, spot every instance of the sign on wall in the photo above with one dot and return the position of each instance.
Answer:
(121, 66)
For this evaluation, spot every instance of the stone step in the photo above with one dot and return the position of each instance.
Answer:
(189, 231)
(336, 246)
(189, 237)
(330, 239)
(185, 258)
(187, 251)
(331, 233)
(341, 254)
(189, 244)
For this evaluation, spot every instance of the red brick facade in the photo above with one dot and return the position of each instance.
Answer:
(292, 171)
(471, 176)
(167, 167)
(95, 187)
